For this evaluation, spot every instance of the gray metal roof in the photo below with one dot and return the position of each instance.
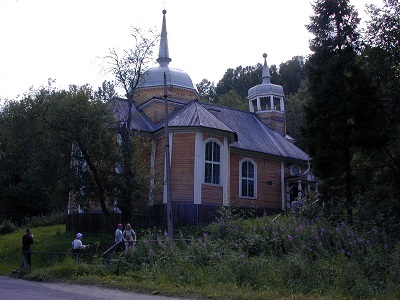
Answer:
(139, 120)
(154, 77)
(244, 129)
(266, 87)
(195, 114)
(253, 135)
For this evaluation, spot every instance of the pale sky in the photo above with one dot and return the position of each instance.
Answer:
(63, 39)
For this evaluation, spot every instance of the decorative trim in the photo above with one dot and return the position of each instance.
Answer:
(152, 170)
(198, 167)
(226, 173)
(283, 185)
(165, 167)
(246, 159)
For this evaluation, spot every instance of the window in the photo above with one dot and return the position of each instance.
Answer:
(212, 163)
(295, 170)
(248, 179)
(254, 103)
(265, 103)
(277, 103)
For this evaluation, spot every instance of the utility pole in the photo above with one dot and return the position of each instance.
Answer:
(170, 227)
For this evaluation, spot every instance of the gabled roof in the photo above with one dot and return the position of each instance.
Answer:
(254, 135)
(244, 129)
(140, 121)
(195, 114)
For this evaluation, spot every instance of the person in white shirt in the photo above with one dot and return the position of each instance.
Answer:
(77, 244)
(119, 239)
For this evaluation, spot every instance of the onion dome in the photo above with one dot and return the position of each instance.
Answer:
(154, 77)
(266, 87)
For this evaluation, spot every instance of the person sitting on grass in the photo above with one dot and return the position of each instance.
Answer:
(77, 245)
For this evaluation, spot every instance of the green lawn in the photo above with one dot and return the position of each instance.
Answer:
(49, 239)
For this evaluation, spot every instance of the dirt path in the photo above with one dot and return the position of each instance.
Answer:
(16, 289)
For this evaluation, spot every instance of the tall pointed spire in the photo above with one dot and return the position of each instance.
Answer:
(266, 78)
(163, 54)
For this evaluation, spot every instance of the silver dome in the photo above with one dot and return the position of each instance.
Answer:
(265, 89)
(154, 77)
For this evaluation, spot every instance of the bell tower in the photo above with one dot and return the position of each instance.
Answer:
(266, 100)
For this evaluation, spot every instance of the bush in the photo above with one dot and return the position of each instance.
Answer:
(45, 220)
(7, 227)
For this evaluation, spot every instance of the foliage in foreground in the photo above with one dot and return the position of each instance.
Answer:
(249, 259)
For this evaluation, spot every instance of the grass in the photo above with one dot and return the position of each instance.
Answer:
(292, 258)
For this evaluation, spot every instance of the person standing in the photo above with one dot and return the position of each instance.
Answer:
(27, 241)
(129, 236)
(77, 244)
(118, 239)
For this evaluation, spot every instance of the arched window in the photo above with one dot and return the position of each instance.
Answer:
(248, 178)
(212, 163)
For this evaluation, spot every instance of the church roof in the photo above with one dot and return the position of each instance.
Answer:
(266, 87)
(154, 77)
(254, 135)
(244, 129)
(140, 122)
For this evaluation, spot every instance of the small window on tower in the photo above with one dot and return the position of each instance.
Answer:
(265, 103)
(254, 103)
(277, 103)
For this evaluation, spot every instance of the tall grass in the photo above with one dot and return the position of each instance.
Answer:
(263, 258)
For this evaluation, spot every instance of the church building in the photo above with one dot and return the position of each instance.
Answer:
(218, 156)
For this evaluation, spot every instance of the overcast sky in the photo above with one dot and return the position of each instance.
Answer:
(63, 39)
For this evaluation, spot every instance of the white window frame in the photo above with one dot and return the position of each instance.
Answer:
(219, 163)
(247, 160)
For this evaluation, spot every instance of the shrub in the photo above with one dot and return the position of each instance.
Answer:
(7, 226)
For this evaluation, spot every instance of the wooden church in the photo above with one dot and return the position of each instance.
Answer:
(218, 156)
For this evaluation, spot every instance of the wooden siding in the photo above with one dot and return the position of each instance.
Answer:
(156, 111)
(211, 194)
(268, 184)
(143, 95)
(182, 167)
(159, 170)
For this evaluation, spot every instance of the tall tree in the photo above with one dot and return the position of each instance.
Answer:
(33, 176)
(128, 69)
(341, 115)
(239, 80)
(79, 120)
(36, 137)
(291, 74)
(382, 63)
(206, 90)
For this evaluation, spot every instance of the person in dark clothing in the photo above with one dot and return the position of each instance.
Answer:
(27, 241)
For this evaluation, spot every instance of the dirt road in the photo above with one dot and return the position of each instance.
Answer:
(17, 289)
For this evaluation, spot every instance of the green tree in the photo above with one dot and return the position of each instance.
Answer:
(34, 168)
(128, 68)
(37, 137)
(106, 91)
(294, 107)
(240, 80)
(77, 119)
(232, 99)
(291, 74)
(206, 90)
(342, 114)
(380, 170)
